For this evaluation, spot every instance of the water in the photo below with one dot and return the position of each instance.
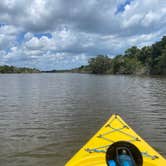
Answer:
(46, 118)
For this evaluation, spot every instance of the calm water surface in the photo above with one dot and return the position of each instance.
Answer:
(46, 118)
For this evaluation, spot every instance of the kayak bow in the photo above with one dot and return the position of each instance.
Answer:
(93, 153)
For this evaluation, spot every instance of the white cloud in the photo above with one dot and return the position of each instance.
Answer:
(8, 30)
(43, 43)
(144, 13)
(28, 36)
(8, 34)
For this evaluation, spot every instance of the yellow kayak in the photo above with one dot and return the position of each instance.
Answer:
(115, 132)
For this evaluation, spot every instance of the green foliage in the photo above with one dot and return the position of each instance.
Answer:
(125, 65)
(100, 65)
(132, 52)
(117, 64)
(147, 60)
(81, 69)
(12, 69)
(145, 55)
(158, 62)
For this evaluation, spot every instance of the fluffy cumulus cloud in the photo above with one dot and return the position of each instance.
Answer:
(60, 34)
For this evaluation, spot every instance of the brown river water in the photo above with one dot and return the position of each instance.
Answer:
(46, 118)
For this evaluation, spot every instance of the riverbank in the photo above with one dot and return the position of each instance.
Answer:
(13, 69)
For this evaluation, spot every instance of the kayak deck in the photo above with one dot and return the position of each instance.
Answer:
(115, 129)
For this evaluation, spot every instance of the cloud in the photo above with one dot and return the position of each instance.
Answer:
(93, 16)
(50, 34)
(42, 43)
(28, 36)
(143, 16)
(8, 35)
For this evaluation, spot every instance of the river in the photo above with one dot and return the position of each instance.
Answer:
(46, 118)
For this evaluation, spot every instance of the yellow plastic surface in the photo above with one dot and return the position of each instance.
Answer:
(120, 131)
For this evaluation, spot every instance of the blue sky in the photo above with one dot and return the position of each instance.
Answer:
(121, 6)
(63, 34)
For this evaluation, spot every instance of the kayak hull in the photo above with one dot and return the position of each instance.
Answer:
(115, 129)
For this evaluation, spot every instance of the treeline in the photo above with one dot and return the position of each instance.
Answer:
(13, 69)
(150, 60)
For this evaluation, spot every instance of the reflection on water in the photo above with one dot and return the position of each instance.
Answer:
(46, 118)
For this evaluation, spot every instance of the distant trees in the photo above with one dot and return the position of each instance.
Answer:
(13, 69)
(145, 60)
(145, 55)
(158, 57)
(100, 65)
(132, 52)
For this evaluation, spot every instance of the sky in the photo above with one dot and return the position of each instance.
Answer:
(64, 34)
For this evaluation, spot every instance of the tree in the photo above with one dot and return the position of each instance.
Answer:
(132, 52)
(13, 69)
(145, 55)
(100, 65)
(158, 57)
(116, 64)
